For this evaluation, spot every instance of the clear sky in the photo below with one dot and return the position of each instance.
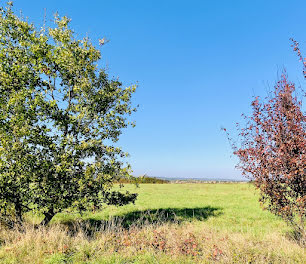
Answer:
(197, 64)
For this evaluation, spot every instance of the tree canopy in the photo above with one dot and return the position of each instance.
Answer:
(60, 116)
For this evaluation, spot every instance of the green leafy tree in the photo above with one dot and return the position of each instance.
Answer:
(60, 116)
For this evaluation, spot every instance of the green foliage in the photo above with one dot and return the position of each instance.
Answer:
(59, 117)
(142, 179)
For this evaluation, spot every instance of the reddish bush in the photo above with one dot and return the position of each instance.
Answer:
(272, 153)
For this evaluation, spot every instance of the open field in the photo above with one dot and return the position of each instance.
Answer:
(169, 223)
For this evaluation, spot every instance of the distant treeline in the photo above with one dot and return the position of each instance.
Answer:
(142, 179)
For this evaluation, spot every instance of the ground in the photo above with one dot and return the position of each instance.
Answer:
(169, 223)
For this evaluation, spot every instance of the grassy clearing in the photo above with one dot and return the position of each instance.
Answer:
(170, 223)
(228, 207)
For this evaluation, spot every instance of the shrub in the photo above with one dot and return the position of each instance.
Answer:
(142, 179)
(272, 153)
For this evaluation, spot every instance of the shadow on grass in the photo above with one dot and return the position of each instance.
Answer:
(142, 218)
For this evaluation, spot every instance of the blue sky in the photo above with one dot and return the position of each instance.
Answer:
(197, 65)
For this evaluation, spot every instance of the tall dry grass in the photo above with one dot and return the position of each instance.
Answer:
(147, 243)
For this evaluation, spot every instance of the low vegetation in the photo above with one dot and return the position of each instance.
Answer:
(169, 223)
(142, 179)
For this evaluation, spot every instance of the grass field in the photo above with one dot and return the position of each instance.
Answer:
(169, 223)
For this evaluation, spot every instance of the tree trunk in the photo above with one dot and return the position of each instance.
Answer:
(18, 212)
(48, 216)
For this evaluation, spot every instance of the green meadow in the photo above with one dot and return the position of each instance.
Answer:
(229, 206)
(169, 223)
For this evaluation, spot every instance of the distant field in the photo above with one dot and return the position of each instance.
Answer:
(169, 223)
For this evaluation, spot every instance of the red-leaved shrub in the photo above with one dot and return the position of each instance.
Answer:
(271, 152)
